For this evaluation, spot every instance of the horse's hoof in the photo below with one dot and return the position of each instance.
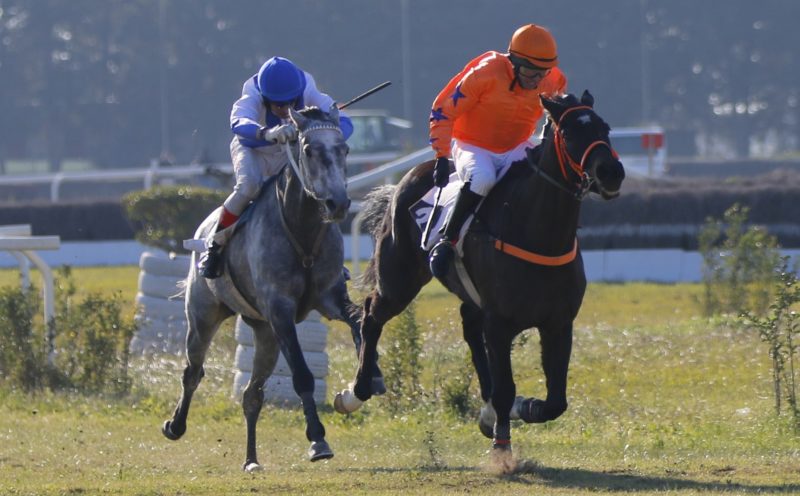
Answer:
(252, 467)
(503, 459)
(346, 402)
(319, 450)
(486, 420)
(378, 386)
(166, 429)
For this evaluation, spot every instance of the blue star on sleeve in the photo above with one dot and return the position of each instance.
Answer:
(437, 114)
(456, 95)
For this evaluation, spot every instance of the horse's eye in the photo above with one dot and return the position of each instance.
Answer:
(307, 150)
(344, 149)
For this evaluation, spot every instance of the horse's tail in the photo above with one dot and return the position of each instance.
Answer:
(374, 211)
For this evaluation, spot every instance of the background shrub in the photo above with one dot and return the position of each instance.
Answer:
(164, 216)
(22, 350)
(401, 364)
(739, 262)
(91, 348)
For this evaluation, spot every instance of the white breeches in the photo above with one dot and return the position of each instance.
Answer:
(480, 167)
(251, 167)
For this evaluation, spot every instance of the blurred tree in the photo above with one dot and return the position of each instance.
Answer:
(119, 83)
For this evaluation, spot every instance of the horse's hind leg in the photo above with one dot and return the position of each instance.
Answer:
(556, 350)
(266, 355)
(346, 311)
(203, 321)
(378, 309)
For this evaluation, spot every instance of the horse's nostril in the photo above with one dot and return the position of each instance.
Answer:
(330, 205)
(610, 172)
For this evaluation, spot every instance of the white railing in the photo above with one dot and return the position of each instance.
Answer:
(17, 240)
(148, 176)
(371, 178)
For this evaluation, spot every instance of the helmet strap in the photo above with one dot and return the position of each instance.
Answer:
(516, 78)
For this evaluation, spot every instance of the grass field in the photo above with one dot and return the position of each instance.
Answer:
(662, 401)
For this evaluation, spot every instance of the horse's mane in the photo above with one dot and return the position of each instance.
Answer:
(313, 113)
(316, 114)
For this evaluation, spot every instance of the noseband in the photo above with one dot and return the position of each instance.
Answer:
(301, 136)
(565, 159)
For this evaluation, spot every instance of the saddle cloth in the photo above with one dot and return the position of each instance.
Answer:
(422, 211)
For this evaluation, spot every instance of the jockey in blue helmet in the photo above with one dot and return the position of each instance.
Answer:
(260, 121)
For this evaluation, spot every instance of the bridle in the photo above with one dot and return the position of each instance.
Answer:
(306, 258)
(301, 137)
(585, 182)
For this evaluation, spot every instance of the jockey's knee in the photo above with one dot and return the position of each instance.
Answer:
(481, 183)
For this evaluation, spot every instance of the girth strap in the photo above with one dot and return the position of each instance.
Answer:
(535, 258)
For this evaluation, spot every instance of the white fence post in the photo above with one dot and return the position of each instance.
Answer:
(17, 240)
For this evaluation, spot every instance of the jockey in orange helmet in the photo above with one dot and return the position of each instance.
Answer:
(485, 117)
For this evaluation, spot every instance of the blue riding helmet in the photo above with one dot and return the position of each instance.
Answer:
(279, 80)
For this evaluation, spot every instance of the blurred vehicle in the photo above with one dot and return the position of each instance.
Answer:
(642, 150)
(377, 138)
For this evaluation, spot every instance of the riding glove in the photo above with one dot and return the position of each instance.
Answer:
(441, 172)
(282, 133)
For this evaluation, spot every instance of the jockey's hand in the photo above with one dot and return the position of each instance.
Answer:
(441, 172)
(282, 133)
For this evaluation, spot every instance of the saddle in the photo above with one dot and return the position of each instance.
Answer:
(423, 211)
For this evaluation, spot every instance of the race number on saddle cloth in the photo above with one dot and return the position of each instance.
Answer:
(423, 212)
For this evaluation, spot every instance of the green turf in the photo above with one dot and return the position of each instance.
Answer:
(662, 401)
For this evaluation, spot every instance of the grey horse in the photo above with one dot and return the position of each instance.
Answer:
(283, 262)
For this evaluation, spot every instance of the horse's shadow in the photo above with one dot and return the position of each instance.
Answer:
(620, 480)
(531, 473)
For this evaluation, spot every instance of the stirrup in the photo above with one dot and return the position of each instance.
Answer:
(210, 264)
(441, 257)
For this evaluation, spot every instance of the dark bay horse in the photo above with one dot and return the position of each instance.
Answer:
(283, 262)
(522, 257)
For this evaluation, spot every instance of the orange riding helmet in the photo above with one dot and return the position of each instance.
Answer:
(536, 45)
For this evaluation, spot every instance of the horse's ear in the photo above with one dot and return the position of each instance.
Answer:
(298, 119)
(553, 107)
(587, 98)
(333, 112)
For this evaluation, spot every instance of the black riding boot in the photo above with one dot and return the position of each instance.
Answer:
(442, 254)
(210, 264)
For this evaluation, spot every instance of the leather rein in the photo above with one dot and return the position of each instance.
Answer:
(306, 259)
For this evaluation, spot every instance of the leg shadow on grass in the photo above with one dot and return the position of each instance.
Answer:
(574, 478)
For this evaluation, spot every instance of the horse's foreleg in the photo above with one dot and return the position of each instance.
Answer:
(556, 350)
(198, 339)
(472, 325)
(498, 344)
(282, 320)
(266, 355)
